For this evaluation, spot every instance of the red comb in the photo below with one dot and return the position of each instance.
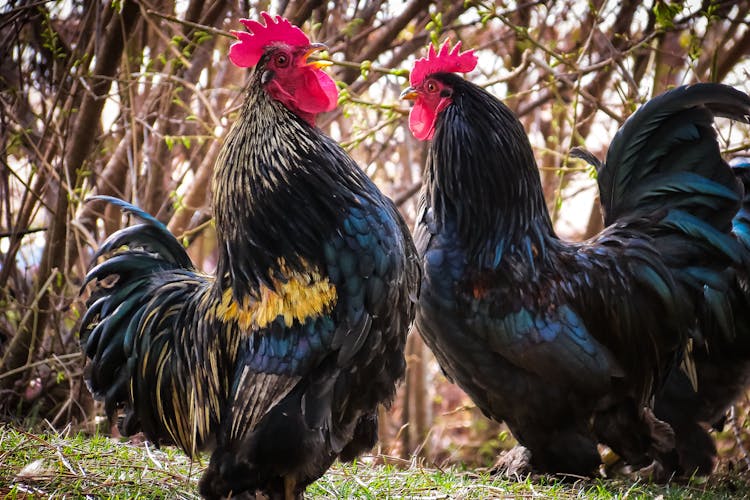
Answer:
(445, 61)
(248, 50)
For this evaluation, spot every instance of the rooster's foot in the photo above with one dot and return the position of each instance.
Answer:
(514, 463)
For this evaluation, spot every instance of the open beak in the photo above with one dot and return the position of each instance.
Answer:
(319, 63)
(409, 93)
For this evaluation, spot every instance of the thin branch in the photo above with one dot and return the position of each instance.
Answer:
(190, 24)
(23, 232)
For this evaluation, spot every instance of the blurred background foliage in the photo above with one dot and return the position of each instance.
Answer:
(131, 98)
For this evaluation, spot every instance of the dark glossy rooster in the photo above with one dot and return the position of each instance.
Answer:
(722, 360)
(567, 342)
(278, 363)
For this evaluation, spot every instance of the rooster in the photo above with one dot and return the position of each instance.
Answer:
(722, 361)
(567, 342)
(278, 362)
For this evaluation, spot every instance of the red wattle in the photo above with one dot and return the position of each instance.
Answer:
(317, 94)
(422, 121)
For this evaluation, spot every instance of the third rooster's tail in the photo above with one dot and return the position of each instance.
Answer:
(741, 222)
(664, 177)
(664, 174)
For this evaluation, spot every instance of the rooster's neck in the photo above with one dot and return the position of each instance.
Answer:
(481, 173)
(279, 186)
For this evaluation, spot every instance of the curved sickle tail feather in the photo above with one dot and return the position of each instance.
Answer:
(666, 160)
(131, 331)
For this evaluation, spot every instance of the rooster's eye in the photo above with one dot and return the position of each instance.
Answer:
(431, 86)
(282, 60)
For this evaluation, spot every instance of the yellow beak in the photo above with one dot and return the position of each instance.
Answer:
(409, 93)
(320, 63)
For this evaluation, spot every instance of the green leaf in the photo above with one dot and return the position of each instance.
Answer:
(666, 12)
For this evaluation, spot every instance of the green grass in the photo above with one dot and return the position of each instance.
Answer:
(56, 465)
(77, 466)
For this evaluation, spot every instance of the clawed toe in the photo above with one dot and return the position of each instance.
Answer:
(654, 472)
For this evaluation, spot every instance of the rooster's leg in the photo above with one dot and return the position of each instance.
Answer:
(638, 437)
(567, 449)
(289, 486)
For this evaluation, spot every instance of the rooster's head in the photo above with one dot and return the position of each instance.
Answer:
(430, 94)
(279, 50)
